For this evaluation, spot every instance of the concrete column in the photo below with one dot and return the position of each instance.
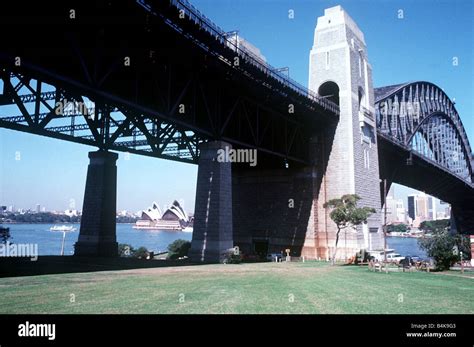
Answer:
(97, 235)
(212, 232)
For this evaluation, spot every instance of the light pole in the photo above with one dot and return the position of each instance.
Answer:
(62, 244)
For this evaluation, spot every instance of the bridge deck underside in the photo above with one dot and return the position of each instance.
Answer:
(170, 78)
(427, 177)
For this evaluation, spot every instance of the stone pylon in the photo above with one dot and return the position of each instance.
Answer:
(339, 70)
(212, 234)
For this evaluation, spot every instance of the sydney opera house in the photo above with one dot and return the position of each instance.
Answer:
(174, 218)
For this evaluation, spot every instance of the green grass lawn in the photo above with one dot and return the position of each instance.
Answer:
(309, 287)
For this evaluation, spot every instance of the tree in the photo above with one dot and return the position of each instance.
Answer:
(178, 249)
(434, 226)
(399, 228)
(141, 253)
(126, 250)
(4, 234)
(443, 246)
(345, 213)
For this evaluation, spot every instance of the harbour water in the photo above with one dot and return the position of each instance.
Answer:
(49, 243)
(406, 246)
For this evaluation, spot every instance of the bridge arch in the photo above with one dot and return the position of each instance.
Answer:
(427, 139)
(407, 113)
(329, 90)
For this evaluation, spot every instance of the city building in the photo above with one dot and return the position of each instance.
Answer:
(441, 215)
(395, 210)
(421, 207)
(71, 213)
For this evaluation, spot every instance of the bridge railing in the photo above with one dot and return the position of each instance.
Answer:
(221, 36)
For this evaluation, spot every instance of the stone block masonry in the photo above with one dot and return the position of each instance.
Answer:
(339, 70)
(213, 233)
(97, 233)
(272, 210)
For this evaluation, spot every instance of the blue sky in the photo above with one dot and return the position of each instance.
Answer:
(421, 46)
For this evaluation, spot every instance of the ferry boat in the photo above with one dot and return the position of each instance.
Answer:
(188, 229)
(62, 228)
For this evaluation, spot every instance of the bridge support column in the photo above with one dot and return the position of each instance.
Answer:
(339, 70)
(213, 208)
(97, 234)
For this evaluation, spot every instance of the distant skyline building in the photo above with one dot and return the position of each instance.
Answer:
(441, 215)
(38, 208)
(395, 210)
(421, 207)
(411, 206)
(401, 212)
(71, 213)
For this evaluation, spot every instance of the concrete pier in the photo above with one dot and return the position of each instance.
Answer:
(212, 233)
(97, 235)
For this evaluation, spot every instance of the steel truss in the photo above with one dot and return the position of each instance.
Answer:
(177, 63)
(98, 124)
(421, 118)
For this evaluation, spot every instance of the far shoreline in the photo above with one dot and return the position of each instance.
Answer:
(52, 223)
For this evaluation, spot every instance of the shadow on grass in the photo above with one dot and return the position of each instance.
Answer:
(46, 265)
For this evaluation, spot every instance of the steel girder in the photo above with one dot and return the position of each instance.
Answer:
(90, 122)
(99, 123)
(176, 62)
(420, 117)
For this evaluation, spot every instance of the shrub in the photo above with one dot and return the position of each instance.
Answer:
(125, 250)
(231, 256)
(440, 248)
(178, 249)
(141, 253)
(4, 235)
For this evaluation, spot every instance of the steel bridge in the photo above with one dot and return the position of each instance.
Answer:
(423, 145)
(186, 83)
(158, 78)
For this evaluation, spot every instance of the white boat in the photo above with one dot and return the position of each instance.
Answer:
(62, 228)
